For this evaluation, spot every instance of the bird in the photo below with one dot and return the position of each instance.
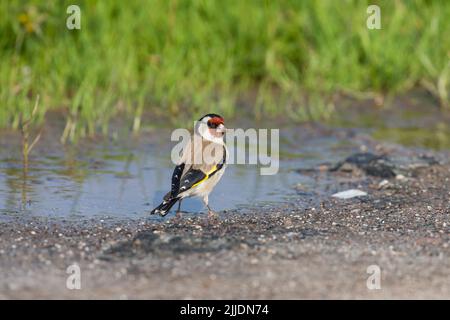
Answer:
(193, 178)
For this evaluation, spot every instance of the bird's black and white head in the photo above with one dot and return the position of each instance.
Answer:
(211, 127)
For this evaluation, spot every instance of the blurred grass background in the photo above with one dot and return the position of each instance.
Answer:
(182, 58)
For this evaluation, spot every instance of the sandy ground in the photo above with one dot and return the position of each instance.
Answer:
(320, 249)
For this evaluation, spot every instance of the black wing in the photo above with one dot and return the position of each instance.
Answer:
(191, 178)
(176, 178)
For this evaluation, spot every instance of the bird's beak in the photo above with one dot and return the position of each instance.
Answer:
(221, 128)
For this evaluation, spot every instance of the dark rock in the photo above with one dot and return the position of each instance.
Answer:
(371, 164)
(384, 166)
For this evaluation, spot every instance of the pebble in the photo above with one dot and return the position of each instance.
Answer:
(383, 183)
(348, 194)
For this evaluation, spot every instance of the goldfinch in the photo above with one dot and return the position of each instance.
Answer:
(202, 164)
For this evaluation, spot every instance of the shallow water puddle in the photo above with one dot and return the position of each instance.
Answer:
(112, 181)
(127, 180)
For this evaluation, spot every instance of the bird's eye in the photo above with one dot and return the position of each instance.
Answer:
(212, 125)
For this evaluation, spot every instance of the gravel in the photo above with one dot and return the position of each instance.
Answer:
(290, 251)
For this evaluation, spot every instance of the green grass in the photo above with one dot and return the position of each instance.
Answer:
(184, 58)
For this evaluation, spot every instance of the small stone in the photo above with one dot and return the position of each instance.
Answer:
(348, 194)
(383, 183)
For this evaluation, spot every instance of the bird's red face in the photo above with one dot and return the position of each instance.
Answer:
(216, 126)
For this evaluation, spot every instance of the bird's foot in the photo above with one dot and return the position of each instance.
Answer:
(178, 216)
(212, 215)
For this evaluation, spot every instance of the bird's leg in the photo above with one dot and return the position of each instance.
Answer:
(211, 213)
(179, 214)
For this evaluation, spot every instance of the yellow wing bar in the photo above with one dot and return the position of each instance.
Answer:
(206, 177)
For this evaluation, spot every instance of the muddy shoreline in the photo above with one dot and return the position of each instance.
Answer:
(302, 249)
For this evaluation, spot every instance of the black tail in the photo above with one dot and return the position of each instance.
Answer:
(164, 207)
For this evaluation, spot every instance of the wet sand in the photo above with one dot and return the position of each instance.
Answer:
(308, 248)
